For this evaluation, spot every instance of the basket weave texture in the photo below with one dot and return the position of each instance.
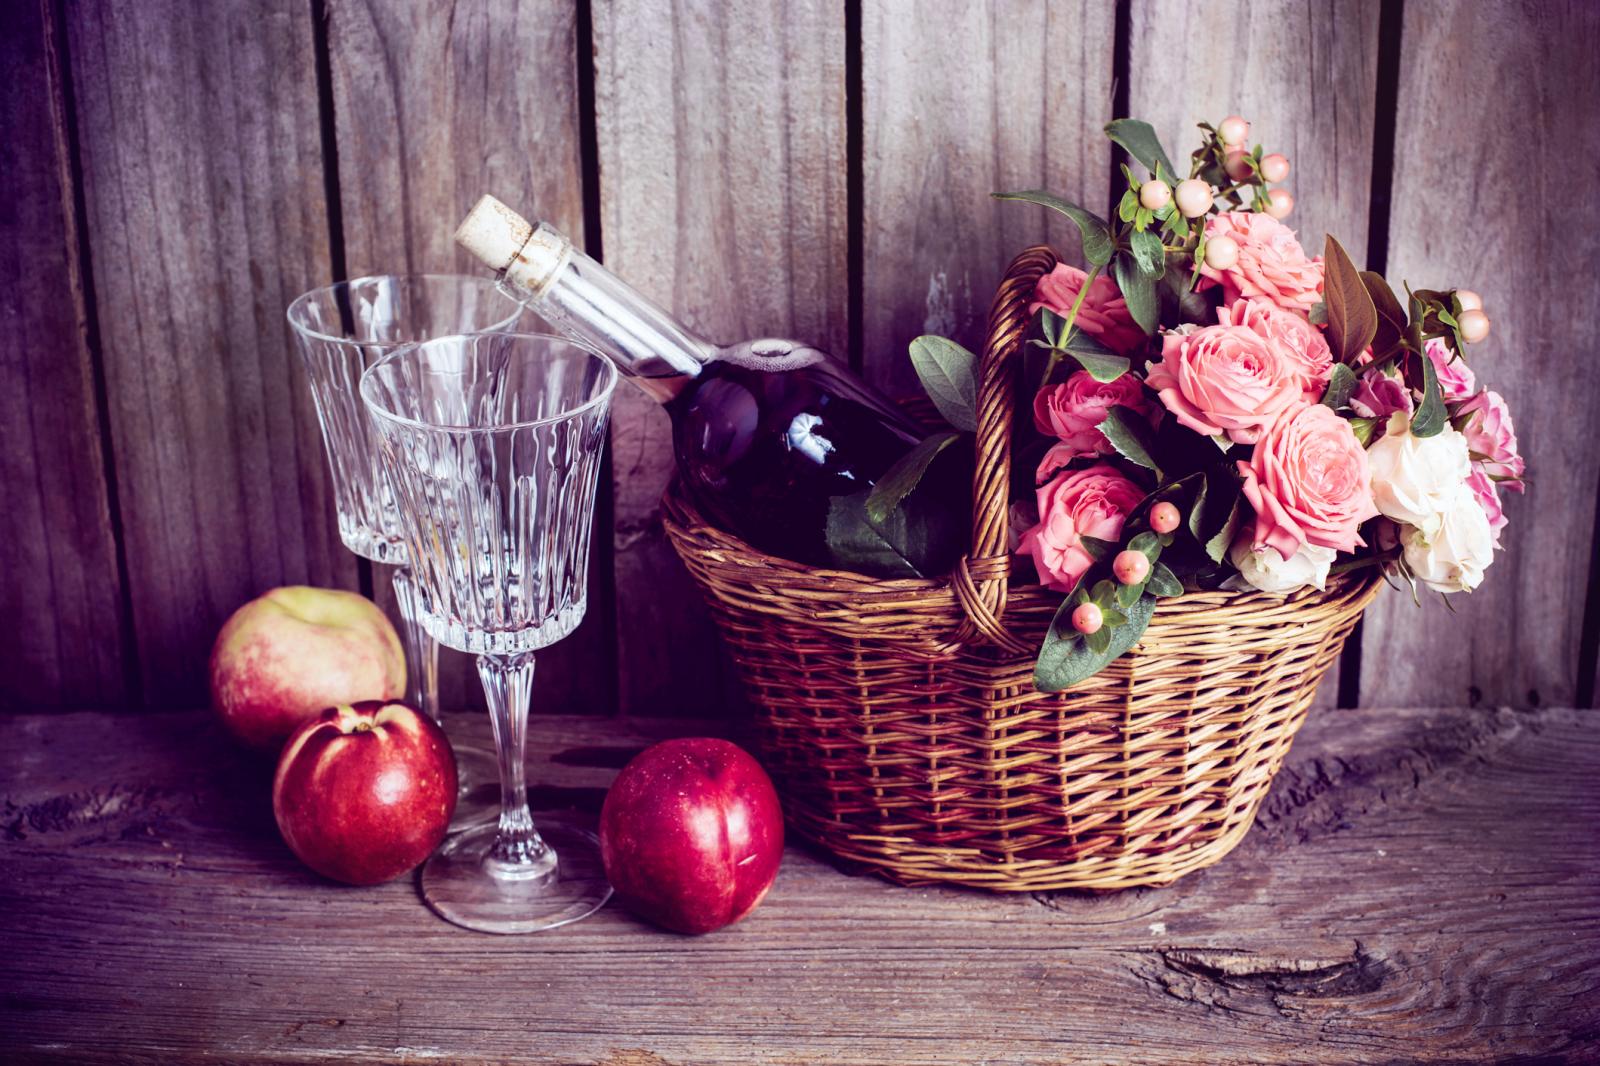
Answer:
(900, 720)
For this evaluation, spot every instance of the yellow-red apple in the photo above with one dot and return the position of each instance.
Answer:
(286, 655)
(364, 792)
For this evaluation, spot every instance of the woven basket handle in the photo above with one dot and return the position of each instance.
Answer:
(980, 577)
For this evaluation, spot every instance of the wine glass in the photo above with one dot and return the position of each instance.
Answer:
(492, 444)
(340, 330)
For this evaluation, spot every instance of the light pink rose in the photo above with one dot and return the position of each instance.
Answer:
(1486, 423)
(1074, 409)
(1104, 314)
(1077, 504)
(1224, 379)
(1456, 379)
(1379, 395)
(1308, 482)
(1482, 486)
(1271, 262)
(1301, 342)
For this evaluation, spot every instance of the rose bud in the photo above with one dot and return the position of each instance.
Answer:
(1193, 197)
(1154, 194)
(1233, 130)
(1474, 326)
(1275, 167)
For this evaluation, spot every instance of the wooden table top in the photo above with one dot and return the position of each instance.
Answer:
(1419, 886)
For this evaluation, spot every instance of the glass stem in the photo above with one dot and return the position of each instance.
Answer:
(518, 850)
(422, 652)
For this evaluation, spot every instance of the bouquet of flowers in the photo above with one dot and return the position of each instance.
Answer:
(1212, 408)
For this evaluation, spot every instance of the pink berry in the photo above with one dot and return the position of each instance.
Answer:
(1222, 251)
(1131, 567)
(1474, 325)
(1469, 300)
(1237, 165)
(1086, 618)
(1193, 197)
(1275, 167)
(1233, 130)
(1279, 203)
(1154, 195)
(1164, 517)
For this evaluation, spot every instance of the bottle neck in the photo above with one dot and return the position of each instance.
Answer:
(595, 307)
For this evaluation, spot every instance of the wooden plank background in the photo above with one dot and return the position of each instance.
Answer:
(179, 171)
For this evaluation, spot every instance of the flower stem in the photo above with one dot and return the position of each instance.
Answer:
(1066, 327)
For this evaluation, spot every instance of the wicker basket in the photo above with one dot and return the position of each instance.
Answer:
(901, 722)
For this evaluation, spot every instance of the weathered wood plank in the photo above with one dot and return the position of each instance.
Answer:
(1418, 887)
(961, 100)
(436, 104)
(203, 182)
(1304, 75)
(57, 549)
(721, 136)
(1491, 124)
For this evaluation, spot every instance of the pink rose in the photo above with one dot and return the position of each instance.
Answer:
(1077, 504)
(1224, 379)
(1300, 341)
(1486, 423)
(1482, 486)
(1308, 482)
(1104, 314)
(1271, 262)
(1379, 395)
(1456, 379)
(1074, 409)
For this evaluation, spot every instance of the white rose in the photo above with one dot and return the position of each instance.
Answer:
(1266, 570)
(1415, 478)
(1453, 556)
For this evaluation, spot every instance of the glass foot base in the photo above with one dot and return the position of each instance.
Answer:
(478, 801)
(457, 883)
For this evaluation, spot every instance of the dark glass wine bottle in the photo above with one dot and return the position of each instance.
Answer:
(765, 432)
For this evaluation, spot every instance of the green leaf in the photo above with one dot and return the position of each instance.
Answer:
(1096, 548)
(1139, 291)
(1066, 658)
(859, 544)
(948, 373)
(1148, 254)
(1101, 362)
(1362, 428)
(1318, 315)
(1128, 594)
(1431, 416)
(1100, 640)
(1140, 139)
(1352, 317)
(1148, 543)
(1340, 385)
(1163, 582)
(898, 481)
(1217, 547)
(1130, 435)
(1097, 242)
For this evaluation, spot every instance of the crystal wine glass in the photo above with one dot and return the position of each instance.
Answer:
(342, 329)
(492, 443)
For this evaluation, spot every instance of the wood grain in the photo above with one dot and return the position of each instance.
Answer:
(436, 104)
(961, 100)
(203, 182)
(57, 548)
(1419, 887)
(1304, 75)
(721, 136)
(1489, 202)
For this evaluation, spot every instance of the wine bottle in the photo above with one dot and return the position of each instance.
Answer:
(765, 432)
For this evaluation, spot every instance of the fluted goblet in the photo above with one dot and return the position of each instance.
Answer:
(492, 446)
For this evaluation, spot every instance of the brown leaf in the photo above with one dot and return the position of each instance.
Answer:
(1352, 316)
